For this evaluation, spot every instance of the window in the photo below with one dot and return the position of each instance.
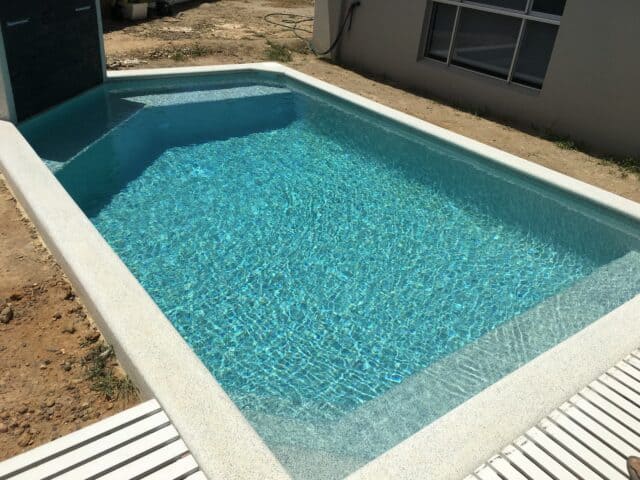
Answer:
(508, 39)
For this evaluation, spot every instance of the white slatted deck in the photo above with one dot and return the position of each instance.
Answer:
(139, 443)
(587, 438)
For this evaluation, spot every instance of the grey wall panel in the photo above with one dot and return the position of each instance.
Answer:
(591, 92)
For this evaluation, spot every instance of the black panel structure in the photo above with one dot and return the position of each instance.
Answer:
(52, 49)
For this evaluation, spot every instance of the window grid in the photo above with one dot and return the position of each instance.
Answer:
(524, 16)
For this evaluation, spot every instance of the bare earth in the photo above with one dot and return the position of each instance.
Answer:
(46, 344)
(50, 381)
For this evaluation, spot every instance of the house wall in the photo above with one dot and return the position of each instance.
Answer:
(591, 92)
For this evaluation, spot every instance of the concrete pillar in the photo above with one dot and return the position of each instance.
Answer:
(327, 17)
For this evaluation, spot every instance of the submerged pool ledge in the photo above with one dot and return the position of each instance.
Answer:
(218, 435)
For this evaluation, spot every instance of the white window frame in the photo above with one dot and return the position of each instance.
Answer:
(527, 15)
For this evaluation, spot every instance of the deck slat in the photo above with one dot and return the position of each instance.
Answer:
(150, 463)
(580, 451)
(178, 469)
(61, 445)
(621, 389)
(486, 473)
(629, 370)
(625, 379)
(125, 454)
(504, 468)
(530, 469)
(612, 409)
(633, 360)
(96, 447)
(196, 476)
(543, 459)
(597, 430)
(614, 397)
(616, 425)
(595, 444)
(562, 455)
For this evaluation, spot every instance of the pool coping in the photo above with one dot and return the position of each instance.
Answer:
(220, 438)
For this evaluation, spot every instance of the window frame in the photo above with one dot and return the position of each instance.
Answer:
(525, 16)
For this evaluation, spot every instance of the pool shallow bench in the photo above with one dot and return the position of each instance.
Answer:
(217, 434)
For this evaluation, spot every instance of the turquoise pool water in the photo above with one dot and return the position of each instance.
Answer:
(345, 279)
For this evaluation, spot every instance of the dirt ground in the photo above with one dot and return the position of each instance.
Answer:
(52, 378)
(56, 374)
(235, 31)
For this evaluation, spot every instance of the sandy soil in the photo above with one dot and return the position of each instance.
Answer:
(234, 31)
(50, 381)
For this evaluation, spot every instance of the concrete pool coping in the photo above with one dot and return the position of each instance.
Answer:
(220, 438)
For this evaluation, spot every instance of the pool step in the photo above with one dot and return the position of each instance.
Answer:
(137, 443)
(422, 398)
(589, 437)
(206, 96)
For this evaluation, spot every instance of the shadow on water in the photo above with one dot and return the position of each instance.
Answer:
(106, 167)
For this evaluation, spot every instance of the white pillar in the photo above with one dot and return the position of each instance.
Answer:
(7, 107)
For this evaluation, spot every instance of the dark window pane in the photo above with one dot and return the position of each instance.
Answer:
(554, 7)
(510, 4)
(486, 41)
(535, 52)
(440, 31)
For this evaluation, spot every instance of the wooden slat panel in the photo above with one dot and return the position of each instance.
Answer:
(587, 438)
(177, 469)
(581, 452)
(629, 370)
(621, 389)
(625, 379)
(612, 409)
(633, 360)
(90, 450)
(618, 424)
(597, 430)
(149, 463)
(530, 469)
(564, 456)
(614, 397)
(486, 473)
(84, 435)
(504, 468)
(122, 455)
(549, 463)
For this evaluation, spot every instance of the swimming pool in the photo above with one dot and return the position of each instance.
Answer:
(347, 279)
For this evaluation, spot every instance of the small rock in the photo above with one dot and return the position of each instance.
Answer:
(57, 316)
(69, 328)
(15, 297)
(118, 372)
(43, 366)
(92, 336)
(4, 428)
(6, 314)
(24, 440)
(23, 409)
(66, 366)
(50, 403)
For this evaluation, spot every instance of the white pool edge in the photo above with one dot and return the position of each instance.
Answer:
(219, 437)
